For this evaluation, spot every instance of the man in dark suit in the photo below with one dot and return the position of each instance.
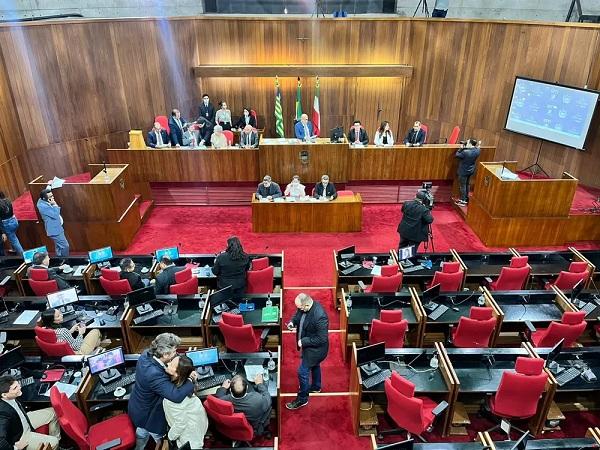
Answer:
(41, 260)
(416, 218)
(255, 402)
(17, 426)
(204, 129)
(166, 277)
(268, 189)
(248, 137)
(325, 189)
(311, 323)
(415, 136)
(206, 109)
(152, 385)
(128, 273)
(157, 137)
(357, 134)
(177, 125)
(467, 155)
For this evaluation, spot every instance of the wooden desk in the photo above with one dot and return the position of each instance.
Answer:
(344, 214)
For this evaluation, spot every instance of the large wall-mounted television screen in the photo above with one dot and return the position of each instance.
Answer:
(552, 112)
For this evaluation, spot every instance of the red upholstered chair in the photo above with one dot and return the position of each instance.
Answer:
(260, 281)
(48, 344)
(453, 139)
(449, 282)
(519, 392)
(578, 271)
(164, 123)
(410, 413)
(389, 270)
(230, 424)
(260, 263)
(241, 338)
(185, 283)
(451, 267)
(386, 284)
(235, 320)
(40, 282)
(390, 328)
(253, 114)
(511, 279)
(111, 282)
(571, 326)
(74, 423)
(229, 136)
(345, 193)
(475, 330)
(518, 261)
(425, 128)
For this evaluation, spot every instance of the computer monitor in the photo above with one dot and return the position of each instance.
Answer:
(431, 294)
(553, 354)
(336, 134)
(203, 359)
(63, 299)
(521, 443)
(28, 254)
(100, 255)
(171, 252)
(140, 299)
(347, 252)
(12, 359)
(104, 364)
(370, 353)
(403, 445)
(221, 296)
(576, 290)
(405, 253)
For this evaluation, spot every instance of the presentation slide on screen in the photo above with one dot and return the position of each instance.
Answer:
(551, 112)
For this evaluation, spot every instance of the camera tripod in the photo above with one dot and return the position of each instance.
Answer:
(424, 8)
(429, 240)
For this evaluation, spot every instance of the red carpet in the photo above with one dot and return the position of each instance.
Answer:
(324, 296)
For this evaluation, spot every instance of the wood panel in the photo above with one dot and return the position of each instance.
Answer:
(303, 70)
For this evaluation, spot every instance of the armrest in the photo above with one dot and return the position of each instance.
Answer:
(439, 408)
(109, 444)
(530, 326)
(100, 406)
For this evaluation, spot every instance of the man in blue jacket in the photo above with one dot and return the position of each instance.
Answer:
(304, 129)
(53, 221)
(152, 385)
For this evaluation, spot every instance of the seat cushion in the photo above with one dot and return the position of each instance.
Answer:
(537, 336)
(116, 427)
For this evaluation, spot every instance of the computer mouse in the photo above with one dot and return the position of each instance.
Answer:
(145, 270)
(120, 392)
(77, 374)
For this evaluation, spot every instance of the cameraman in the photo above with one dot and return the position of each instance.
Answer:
(416, 218)
(467, 154)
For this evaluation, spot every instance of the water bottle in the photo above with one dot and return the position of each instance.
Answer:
(349, 302)
(269, 301)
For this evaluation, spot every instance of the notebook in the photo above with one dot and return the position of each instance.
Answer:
(25, 317)
(270, 314)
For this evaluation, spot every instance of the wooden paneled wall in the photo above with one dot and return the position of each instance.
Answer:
(70, 90)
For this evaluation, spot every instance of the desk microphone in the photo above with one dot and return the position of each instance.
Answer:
(525, 299)
(271, 364)
(104, 164)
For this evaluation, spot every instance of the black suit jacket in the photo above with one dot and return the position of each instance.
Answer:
(11, 429)
(329, 190)
(273, 190)
(415, 220)
(166, 279)
(241, 123)
(135, 279)
(176, 132)
(363, 136)
(152, 138)
(256, 405)
(207, 112)
(231, 272)
(415, 138)
(249, 139)
(315, 340)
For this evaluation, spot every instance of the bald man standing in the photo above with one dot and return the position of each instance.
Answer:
(311, 323)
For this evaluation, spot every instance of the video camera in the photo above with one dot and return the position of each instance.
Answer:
(425, 195)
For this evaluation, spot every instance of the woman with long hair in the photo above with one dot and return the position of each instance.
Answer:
(9, 225)
(231, 266)
(384, 135)
(82, 343)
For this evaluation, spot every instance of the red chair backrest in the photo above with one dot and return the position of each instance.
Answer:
(235, 320)
(260, 263)
(164, 123)
(189, 287)
(55, 401)
(345, 193)
(392, 333)
(425, 128)
(233, 425)
(450, 282)
(519, 392)
(450, 267)
(475, 331)
(453, 139)
(229, 136)
(578, 266)
(183, 275)
(45, 334)
(110, 274)
(389, 270)
(570, 328)
(568, 280)
(239, 339)
(73, 422)
(40, 283)
(253, 114)
(519, 261)
(39, 274)
(260, 281)
(386, 284)
(403, 407)
(118, 287)
(56, 349)
(512, 278)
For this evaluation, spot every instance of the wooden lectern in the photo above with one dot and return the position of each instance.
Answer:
(102, 212)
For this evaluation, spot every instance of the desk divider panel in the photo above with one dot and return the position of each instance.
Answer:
(591, 267)
(562, 301)
(344, 314)
(420, 314)
(445, 367)
(536, 423)
(457, 258)
(594, 433)
(355, 390)
(336, 281)
(498, 313)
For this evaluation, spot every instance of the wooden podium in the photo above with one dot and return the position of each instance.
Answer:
(102, 212)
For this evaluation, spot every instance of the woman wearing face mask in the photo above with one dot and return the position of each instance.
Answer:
(295, 188)
(246, 119)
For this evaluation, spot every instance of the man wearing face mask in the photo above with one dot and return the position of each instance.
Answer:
(268, 189)
(295, 188)
(325, 189)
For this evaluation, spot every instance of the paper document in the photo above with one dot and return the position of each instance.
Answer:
(376, 271)
(56, 182)
(26, 317)
(270, 314)
(67, 389)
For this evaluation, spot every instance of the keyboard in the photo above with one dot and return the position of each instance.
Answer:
(210, 382)
(77, 315)
(588, 308)
(146, 317)
(26, 381)
(234, 311)
(379, 377)
(121, 382)
(567, 375)
(413, 268)
(437, 312)
(349, 270)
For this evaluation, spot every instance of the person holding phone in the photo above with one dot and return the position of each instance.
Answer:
(80, 342)
(53, 221)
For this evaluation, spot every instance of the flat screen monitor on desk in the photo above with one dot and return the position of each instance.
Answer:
(172, 253)
(100, 255)
(403, 445)
(63, 299)
(553, 354)
(221, 296)
(576, 290)
(203, 359)
(28, 254)
(347, 252)
(104, 364)
(12, 359)
(431, 294)
(366, 357)
(336, 134)
(405, 253)
(140, 299)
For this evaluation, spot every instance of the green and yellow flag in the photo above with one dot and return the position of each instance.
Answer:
(298, 101)
(278, 110)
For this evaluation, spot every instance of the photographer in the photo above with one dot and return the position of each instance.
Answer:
(467, 154)
(416, 219)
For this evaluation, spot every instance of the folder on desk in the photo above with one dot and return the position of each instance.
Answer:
(25, 317)
(270, 314)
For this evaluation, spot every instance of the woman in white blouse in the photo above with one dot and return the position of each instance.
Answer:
(223, 116)
(187, 420)
(295, 188)
(384, 135)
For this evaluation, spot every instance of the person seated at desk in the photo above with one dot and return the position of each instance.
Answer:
(248, 137)
(325, 189)
(218, 139)
(268, 189)
(187, 420)
(231, 266)
(177, 124)
(53, 320)
(204, 130)
(157, 137)
(415, 136)
(254, 403)
(295, 188)
(245, 119)
(41, 260)
(190, 136)
(304, 129)
(383, 135)
(166, 277)
(128, 273)
(358, 135)
(223, 116)
(17, 427)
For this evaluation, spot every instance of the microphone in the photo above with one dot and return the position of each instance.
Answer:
(104, 164)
